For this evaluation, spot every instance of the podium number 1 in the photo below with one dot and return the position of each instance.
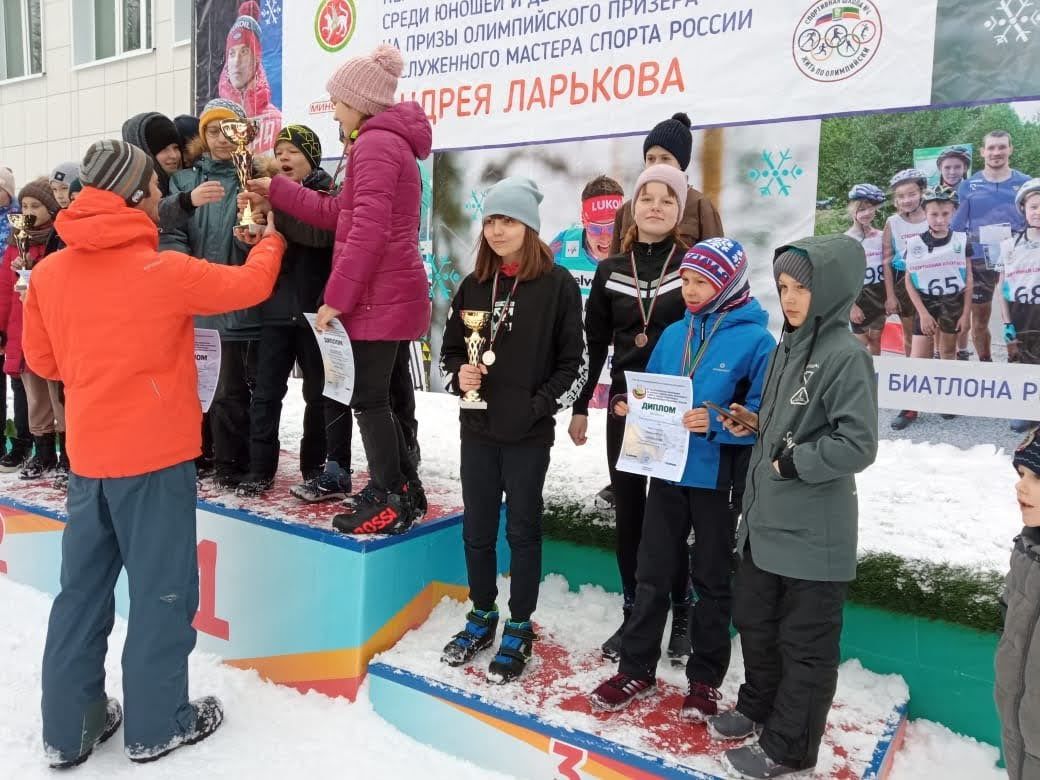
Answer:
(206, 619)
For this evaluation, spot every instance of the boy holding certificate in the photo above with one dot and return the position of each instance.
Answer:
(723, 346)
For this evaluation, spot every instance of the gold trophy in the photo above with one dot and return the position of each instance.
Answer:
(476, 321)
(22, 224)
(241, 133)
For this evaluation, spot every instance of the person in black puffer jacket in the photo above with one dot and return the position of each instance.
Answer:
(286, 337)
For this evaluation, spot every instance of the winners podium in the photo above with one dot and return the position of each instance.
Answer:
(280, 591)
(307, 607)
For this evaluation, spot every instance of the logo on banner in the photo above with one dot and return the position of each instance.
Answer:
(334, 24)
(1012, 21)
(835, 39)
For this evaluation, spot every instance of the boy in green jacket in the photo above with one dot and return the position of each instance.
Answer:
(817, 429)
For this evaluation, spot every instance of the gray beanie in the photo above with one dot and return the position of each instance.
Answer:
(517, 197)
(795, 264)
(65, 173)
(118, 167)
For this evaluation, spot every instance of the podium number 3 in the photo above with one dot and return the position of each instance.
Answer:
(574, 758)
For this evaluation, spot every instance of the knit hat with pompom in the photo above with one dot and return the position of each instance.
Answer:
(368, 83)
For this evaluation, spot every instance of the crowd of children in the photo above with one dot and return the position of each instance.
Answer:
(649, 284)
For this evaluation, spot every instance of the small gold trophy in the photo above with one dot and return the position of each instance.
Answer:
(476, 321)
(241, 133)
(22, 224)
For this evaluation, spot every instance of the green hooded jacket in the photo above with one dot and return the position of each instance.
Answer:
(209, 235)
(819, 405)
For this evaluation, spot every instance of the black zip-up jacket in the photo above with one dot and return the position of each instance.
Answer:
(305, 266)
(612, 312)
(540, 359)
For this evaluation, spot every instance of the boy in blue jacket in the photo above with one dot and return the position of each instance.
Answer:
(723, 346)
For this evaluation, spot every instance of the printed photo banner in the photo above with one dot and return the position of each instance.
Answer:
(502, 72)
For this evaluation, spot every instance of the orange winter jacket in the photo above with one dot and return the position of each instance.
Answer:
(111, 316)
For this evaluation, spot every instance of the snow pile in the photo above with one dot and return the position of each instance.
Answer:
(269, 731)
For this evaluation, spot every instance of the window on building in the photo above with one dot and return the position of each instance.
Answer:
(182, 21)
(21, 42)
(109, 28)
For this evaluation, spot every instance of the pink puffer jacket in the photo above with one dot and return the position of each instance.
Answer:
(378, 281)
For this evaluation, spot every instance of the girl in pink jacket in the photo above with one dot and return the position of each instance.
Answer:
(378, 285)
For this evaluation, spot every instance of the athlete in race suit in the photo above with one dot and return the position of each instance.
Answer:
(867, 316)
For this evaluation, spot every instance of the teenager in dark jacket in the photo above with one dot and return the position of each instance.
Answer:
(723, 346)
(159, 136)
(671, 143)
(533, 365)
(634, 297)
(286, 336)
(1018, 701)
(817, 429)
(210, 233)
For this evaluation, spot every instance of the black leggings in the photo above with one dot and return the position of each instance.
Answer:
(380, 429)
(629, 508)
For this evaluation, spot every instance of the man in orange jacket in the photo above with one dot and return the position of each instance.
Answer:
(111, 316)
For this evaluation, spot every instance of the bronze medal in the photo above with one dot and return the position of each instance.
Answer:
(642, 340)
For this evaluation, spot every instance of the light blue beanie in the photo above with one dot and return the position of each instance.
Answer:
(517, 197)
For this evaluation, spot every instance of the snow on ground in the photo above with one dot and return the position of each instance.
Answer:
(937, 502)
(269, 731)
(274, 732)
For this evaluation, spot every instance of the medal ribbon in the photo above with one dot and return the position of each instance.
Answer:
(689, 367)
(496, 329)
(645, 313)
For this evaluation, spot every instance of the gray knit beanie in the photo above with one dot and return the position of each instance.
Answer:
(118, 167)
(795, 264)
(517, 197)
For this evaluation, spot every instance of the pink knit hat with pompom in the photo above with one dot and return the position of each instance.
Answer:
(368, 83)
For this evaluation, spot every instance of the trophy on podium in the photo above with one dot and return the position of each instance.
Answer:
(475, 321)
(241, 133)
(21, 224)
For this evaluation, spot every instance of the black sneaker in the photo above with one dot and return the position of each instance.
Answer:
(254, 486)
(418, 494)
(612, 647)
(732, 725)
(113, 720)
(209, 714)
(38, 468)
(377, 512)
(751, 761)
(513, 654)
(478, 635)
(204, 468)
(61, 475)
(679, 647)
(963, 354)
(228, 479)
(332, 484)
(903, 420)
(14, 460)
(605, 498)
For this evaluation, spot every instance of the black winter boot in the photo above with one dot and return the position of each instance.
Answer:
(43, 463)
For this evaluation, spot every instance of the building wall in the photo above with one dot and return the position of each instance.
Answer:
(45, 120)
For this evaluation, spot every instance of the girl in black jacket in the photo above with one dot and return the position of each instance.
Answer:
(634, 297)
(533, 364)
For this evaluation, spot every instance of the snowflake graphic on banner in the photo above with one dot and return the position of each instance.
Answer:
(475, 204)
(1013, 17)
(776, 175)
(444, 277)
(271, 11)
